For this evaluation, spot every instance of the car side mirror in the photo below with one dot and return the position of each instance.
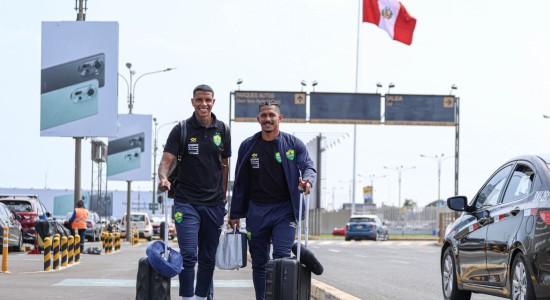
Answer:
(458, 203)
(17, 217)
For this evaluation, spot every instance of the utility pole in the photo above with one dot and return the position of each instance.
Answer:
(80, 7)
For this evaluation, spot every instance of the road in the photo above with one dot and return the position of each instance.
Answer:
(382, 270)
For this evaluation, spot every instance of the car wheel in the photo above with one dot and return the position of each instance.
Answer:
(19, 244)
(522, 287)
(150, 238)
(348, 239)
(448, 279)
(377, 237)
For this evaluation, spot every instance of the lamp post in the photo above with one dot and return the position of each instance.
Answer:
(132, 86)
(378, 86)
(155, 148)
(131, 92)
(390, 86)
(399, 171)
(371, 178)
(438, 159)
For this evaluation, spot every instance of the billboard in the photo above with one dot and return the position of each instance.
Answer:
(78, 82)
(345, 108)
(293, 105)
(420, 110)
(129, 154)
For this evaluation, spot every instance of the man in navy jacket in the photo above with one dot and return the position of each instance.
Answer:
(273, 167)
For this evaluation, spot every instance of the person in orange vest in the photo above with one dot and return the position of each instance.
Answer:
(78, 222)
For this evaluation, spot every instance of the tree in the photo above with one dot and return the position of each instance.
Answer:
(409, 203)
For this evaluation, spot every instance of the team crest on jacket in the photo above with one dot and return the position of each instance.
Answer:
(278, 157)
(386, 13)
(217, 139)
(290, 154)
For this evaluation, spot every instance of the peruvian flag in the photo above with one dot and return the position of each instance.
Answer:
(391, 16)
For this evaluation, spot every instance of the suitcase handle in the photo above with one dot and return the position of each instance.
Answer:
(303, 197)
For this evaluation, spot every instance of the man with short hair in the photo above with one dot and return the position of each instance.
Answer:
(268, 182)
(199, 202)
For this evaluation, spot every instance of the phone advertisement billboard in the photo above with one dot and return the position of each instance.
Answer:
(78, 82)
(129, 154)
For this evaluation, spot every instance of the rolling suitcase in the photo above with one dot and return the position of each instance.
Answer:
(287, 278)
(150, 285)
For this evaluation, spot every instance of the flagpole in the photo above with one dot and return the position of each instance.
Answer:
(359, 10)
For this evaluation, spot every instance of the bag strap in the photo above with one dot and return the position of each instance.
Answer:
(183, 138)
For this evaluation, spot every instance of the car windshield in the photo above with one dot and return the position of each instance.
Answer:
(360, 220)
(18, 206)
(137, 218)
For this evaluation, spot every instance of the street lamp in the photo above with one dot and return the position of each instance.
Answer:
(453, 87)
(313, 84)
(132, 85)
(378, 85)
(239, 81)
(546, 116)
(399, 171)
(372, 177)
(303, 83)
(438, 159)
(155, 148)
(390, 86)
(131, 95)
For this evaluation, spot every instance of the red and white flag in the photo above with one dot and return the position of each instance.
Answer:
(391, 16)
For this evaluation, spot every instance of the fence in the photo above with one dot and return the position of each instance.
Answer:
(411, 220)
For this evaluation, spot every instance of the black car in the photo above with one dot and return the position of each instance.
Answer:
(500, 245)
(8, 219)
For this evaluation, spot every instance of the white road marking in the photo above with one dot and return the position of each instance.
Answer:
(334, 250)
(400, 262)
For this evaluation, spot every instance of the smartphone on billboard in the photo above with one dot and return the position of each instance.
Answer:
(69, 104)
(73, 72)
(123, 161)
(127, 142)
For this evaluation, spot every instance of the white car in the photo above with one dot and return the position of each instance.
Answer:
(138, 221)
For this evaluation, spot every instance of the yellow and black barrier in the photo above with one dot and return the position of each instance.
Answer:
(136, 238)
(64, 251)
(104, 236)
(77, 248)
(71, 249)
(117, 241)
(111, 242)
(47, 254)
(5, 246)
(56, 252)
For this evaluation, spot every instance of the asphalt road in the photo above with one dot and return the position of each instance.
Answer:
(382, 270)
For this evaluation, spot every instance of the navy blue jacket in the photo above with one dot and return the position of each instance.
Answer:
(296, 163)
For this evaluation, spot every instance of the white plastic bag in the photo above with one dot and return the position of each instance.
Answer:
(229, 253)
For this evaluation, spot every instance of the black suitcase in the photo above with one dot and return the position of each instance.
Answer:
(287, 278)
(150, 285)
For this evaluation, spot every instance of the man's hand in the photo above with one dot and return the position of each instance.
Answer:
(164, 185)
(304, 186)
(233, 222)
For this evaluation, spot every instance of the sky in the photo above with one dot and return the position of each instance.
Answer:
(496, 53)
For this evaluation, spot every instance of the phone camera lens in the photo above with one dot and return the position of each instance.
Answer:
(98, 64)
(91, 92)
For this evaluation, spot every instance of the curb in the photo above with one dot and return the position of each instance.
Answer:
(321, 291)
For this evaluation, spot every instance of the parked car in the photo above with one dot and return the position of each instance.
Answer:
(94, 227)
(138, 221)
(29, 208)
(499, 245)
(9, 219)
(156, 220)
(339, 231)
(366, 227)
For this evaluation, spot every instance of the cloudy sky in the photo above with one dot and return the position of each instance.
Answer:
(496, 52)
